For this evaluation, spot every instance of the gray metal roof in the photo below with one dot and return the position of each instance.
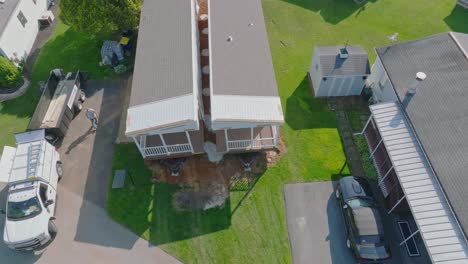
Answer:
(6, 10)
(163, 63)
(436, 221)
(438, 111)
(331, 64)
(242, 66)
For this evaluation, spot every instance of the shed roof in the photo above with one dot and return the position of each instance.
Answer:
(241, 75)
(437, 224)
(6, 11)
(164, 66)
(438, 111)
(330, 63)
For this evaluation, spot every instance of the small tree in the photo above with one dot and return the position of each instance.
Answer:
(100, 16)
(10, 75)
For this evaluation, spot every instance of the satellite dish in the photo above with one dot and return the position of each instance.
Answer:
(394, 37)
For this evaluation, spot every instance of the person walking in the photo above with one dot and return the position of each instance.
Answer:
(93, 117)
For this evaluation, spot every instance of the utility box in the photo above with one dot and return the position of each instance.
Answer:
(338, 71)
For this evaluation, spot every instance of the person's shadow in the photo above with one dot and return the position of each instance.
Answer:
(79, 140)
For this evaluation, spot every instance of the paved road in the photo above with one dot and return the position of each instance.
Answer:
(315, 224)
(86, 233)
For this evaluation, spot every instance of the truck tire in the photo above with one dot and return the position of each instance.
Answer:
(82, 97)
(52, 229)
(78, 107)
(59, 168)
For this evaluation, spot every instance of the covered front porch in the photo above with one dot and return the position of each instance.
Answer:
(246, 139)
(172, 145)
(410, 188)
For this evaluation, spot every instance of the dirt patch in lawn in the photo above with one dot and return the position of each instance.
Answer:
(206, 184)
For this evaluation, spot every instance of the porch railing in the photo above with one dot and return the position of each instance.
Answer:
(248, 144)
(166, 150)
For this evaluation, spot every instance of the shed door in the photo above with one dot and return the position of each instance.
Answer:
(336, 86)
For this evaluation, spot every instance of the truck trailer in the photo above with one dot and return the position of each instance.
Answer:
(60, 102)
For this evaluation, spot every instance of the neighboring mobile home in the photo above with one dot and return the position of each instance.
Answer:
(246, 110)
(19, 26)
(165, 106)
(418, 138)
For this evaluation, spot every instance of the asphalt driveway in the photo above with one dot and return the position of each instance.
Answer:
(86, 234)
(315, 224)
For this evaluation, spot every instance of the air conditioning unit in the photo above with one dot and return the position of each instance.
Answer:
(46, 18)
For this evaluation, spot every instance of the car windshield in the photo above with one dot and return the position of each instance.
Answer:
(360, 202)
(23, 209)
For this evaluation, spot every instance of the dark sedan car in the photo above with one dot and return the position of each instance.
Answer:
(364, 229)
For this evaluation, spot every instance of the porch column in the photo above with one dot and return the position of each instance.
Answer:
(189, 141)
(164, 144)
(139, 146)
(251, 138)
(226, 139)
(408, 238)
(368, 121)
(375, 149)
(275, 135)
(395, 206)
(385, 176)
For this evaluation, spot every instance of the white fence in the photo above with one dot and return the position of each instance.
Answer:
(249, 144)
(164, 150)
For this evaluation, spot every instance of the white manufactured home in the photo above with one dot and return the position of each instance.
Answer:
(19, 26)
(165, 106)
(246, 110)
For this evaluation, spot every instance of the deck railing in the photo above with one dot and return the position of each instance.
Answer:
(248, 144)
(166, 150)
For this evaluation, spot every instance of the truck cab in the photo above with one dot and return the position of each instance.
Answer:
(34, 169)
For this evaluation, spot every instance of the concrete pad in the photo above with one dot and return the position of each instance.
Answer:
(315, 224)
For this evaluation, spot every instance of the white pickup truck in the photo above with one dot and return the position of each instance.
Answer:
(33, 170)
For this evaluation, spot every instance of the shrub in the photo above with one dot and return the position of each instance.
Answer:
(10, 75)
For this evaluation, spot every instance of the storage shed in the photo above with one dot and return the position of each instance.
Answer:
(338, 70)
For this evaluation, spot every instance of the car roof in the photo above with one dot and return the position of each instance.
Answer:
(367, 221)
(352, 186)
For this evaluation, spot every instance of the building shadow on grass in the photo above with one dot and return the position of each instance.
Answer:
(457, 20)
(169, 225)
(332, 11)
(303, 111)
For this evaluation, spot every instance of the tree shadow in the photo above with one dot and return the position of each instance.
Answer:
(332, 11)
(457, 19)
(304, 111)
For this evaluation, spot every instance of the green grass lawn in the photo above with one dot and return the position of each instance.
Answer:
(256, 232)
(67, 49)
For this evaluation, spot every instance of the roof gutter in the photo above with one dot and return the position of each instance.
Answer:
(458, 44)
